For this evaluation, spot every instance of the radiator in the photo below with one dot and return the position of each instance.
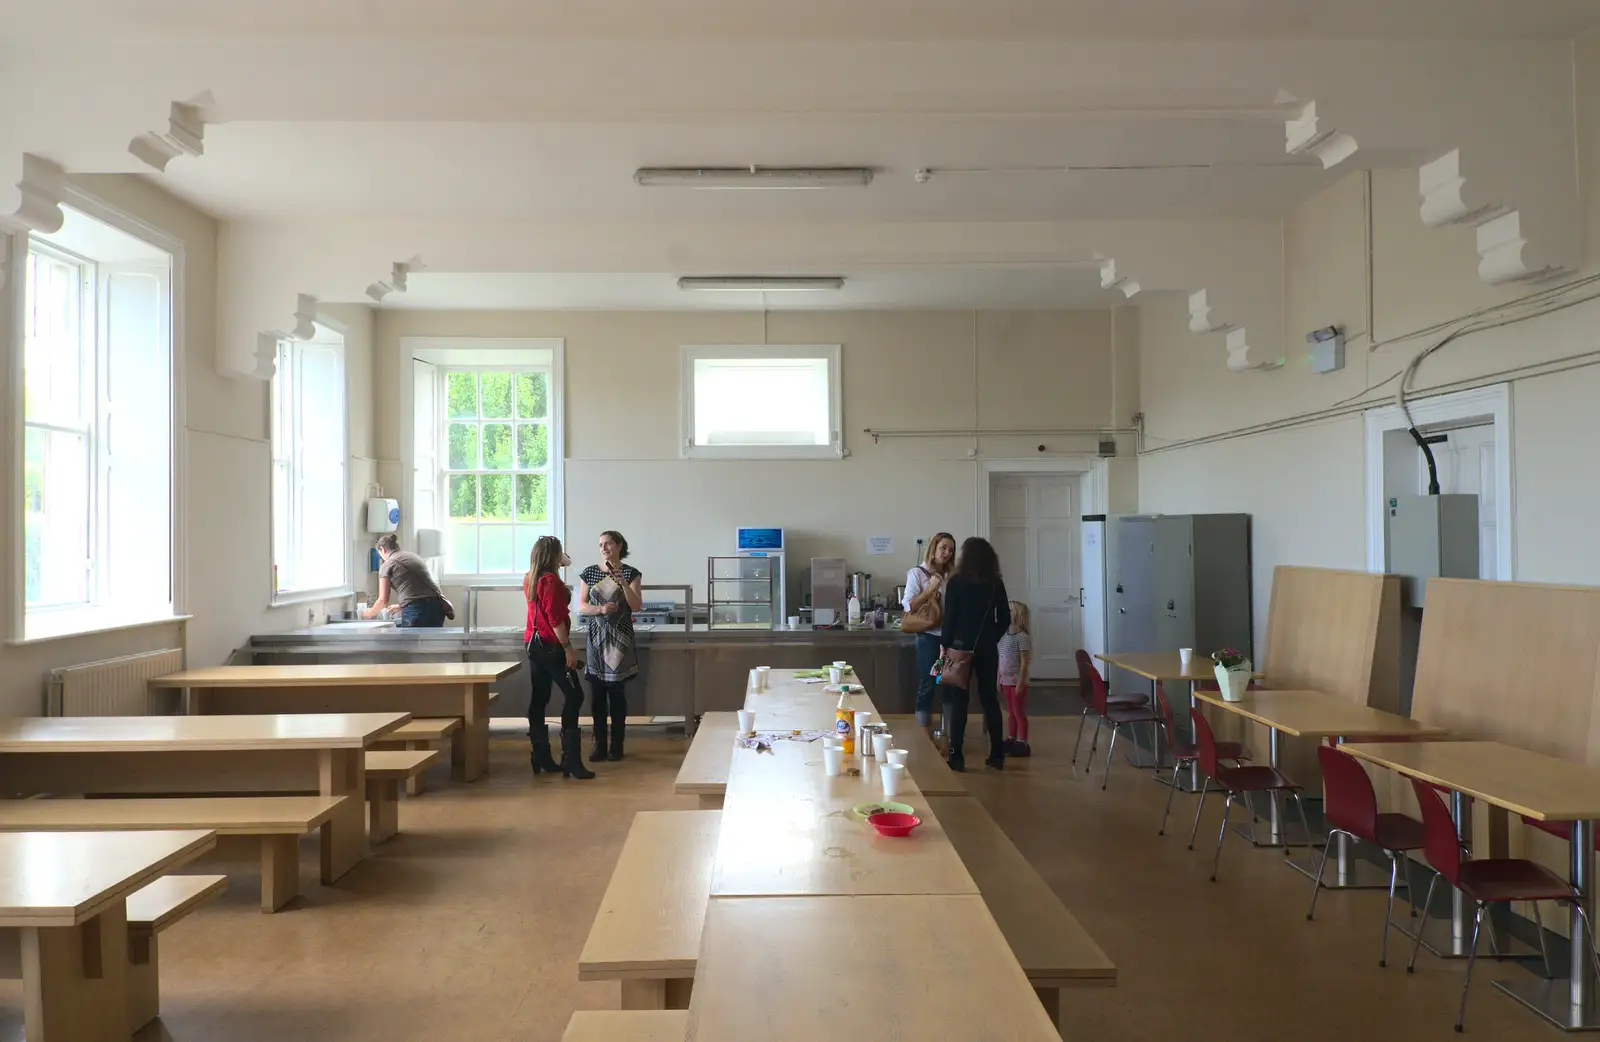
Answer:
(115, 686)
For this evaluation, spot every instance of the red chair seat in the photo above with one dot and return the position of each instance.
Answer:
(1253, 779)
(1511, 879)
(1116, 714)
(1398, 832)
(1128, 700)
(1225, 751)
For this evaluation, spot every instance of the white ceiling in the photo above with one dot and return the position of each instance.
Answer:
(952, 288)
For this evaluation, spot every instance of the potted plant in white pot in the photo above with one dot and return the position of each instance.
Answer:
(1233, 673)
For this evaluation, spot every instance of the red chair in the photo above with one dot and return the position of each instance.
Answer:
(1236, 781)
(1350, 806)
(1118, 715)
(1485, 882)
(1086, 692)
(1185, 753)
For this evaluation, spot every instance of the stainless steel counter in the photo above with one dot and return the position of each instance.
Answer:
(681, 673)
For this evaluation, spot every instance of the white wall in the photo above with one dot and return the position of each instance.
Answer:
(947, 369)
(224, 468)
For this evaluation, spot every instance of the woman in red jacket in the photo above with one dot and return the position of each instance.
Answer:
(551, 659)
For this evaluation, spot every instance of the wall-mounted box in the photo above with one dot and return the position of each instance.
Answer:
(1432, 537)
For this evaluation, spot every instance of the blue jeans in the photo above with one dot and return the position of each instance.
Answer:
(425, 613)
(927, 645)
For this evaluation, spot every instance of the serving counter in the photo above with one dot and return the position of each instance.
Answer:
(681, 673)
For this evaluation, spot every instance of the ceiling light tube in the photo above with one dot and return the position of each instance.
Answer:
(760, 283)
(754, 177)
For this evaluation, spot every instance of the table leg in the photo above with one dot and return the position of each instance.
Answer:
(1274, 818)
(475, 732)
(1570, 1003)
(74, 979)
(1135, 756)
(343, 772)
(1194, 765)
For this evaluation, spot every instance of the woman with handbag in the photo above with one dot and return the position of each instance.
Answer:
(923, 603)
(551, 660)
(977, 614)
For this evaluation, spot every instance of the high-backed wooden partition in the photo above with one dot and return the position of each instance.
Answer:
(1331, 631)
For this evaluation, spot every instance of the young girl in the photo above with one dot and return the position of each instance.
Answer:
(1016, 648)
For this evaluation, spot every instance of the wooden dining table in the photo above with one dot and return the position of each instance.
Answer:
(1317, 716)
(125, 755)
(423, 689)
(63, 909)
(1540, 787)
(1160, 667)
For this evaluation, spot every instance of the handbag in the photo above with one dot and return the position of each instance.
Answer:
(924, 618)
(955, 666)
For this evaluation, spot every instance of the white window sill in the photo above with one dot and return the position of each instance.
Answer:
(763, 452)
(481, 580)
(44, 626)
(288, 597)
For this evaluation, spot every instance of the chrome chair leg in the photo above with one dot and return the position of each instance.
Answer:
(1172, 791)
(1094, 743)
(1594, 945)
(1111, 751)
(1216, 858)
(1416, 943)
(1082, 719)
(1316, 884)
(1305, 822)
(1388, 915)
(1544, 947)
(1200, 805)
(1472, 957)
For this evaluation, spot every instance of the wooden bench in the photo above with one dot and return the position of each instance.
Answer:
(278, 821)
(646, 934)
(705, 767)
(150, 911)
(924, 763)
(386, 769)
(429, 732)
(1054, 949)
(627, 1025)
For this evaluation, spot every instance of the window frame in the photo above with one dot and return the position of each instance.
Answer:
(494, 354)
(328, 334)
(832, 354)
(56, 623)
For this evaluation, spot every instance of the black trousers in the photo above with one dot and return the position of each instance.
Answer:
(548, 667)
(985, 681)
(608, 698)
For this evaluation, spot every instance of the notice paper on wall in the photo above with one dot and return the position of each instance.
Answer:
(880, 545)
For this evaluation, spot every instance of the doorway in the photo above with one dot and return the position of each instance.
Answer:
(1034, 526)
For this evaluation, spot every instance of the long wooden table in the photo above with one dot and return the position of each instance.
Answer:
(101, 755)
(1315, 715)
(420, 688)
(64, 923)
(1543, 788)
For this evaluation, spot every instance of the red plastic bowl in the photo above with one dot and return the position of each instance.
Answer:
(891, 824)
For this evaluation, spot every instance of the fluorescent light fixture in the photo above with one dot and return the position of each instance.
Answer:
(754, 177)
(760, 283)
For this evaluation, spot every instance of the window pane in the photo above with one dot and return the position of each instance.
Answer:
(761, 401)
(533, 446)
(461, 549)
(495, 553)
(526, 536)
(462, 391)
(496, 497)
(496, 395)
(56, 524)
(53, 359)
(464, 496)
(463, 446)
(533, 396)
(533, 499)
(497, 446)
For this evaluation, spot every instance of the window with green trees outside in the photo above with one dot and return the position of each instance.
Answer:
(497, 467)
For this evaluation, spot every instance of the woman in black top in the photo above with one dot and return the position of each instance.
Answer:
(977, 614)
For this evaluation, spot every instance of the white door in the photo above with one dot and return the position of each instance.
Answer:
(1034, 525)
(1465, 461)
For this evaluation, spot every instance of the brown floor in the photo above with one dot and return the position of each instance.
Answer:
(468, 925)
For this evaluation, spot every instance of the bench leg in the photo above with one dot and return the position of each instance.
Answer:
(643, 994)
(710, 802)
(679, 991)
(415, 786)
(1051, 1000)
(144, 981)
(280, 870)
(383, 804)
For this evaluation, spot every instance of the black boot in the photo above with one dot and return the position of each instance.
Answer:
(997, 754)
(601, 744)
(572, 754)
(540, 758)
(619, 726)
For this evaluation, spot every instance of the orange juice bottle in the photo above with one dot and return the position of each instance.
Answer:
(844, 726)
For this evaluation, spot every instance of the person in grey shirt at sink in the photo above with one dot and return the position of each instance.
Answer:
(405, 575)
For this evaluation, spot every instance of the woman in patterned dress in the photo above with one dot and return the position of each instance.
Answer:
(608, 595)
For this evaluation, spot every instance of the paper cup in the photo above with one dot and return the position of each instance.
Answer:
(840, 663)
(763, 677)
(835, 675)
(893, 774)
(897, 756)
(747, 721)
(794, 622)
(755, 680)
(1185, 655)
(863, 718)
(882, 742)
(832, 759)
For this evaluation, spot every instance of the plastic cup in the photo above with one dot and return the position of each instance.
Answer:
(863, 718)
(835, 675)
(882, 742)
(755, 680)
(897, 756)
(840, 663)
(832, 758)
(1184, 657)
(763, 677)
(794, 622)
(747, 721)
(893, 775)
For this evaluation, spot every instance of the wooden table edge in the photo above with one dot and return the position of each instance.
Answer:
(1418, 730)
(674, 969)
(1498, 801)
(186, 679)
(205, 840)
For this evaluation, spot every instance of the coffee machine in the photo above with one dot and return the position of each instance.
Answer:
(860, 587)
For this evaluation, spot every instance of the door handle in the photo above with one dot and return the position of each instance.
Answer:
(1081, 603)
